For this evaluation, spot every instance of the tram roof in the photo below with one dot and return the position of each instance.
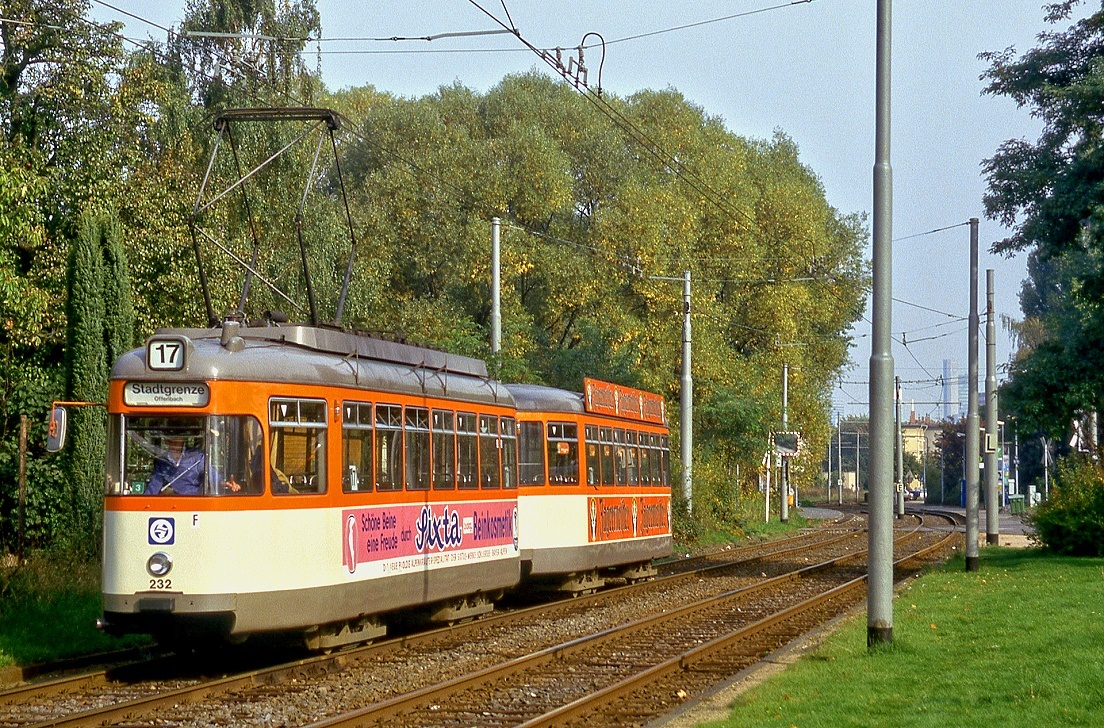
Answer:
(306, 354)
(539, 398)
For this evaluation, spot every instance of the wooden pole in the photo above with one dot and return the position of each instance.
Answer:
(22, 479)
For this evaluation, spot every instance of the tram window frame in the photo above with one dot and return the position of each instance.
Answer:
(620, 457)
(562, 440)
(632, 459)
(606, 454)
(593, 459)
(507, 428)
(655, 465)
(308, 422)
(467, 451)
(387, 455)
(357, 425)
(665, 463)
(442, 426)
(644, 462)
(530, 445)
(416, 448)
(490, 474)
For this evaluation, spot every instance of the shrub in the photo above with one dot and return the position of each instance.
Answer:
(1071, 521)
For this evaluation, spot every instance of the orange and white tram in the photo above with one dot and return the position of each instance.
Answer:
(338, 478)
(594, 494)
(304, 480)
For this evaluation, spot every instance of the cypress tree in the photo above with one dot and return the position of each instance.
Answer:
(118, 296)
(86, 380)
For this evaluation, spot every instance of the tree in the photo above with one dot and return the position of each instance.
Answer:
(86, 358)
(1049, 193)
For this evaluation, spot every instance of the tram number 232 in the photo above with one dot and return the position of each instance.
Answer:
(165, 354)
(160, 584)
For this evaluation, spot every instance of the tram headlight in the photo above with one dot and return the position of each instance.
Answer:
(159, 564)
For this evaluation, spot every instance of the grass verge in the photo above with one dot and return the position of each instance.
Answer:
(48, 611)
(1016, 644)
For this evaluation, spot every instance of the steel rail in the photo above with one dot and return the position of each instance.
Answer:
(401, 704)
(688, 659)
(322, 664)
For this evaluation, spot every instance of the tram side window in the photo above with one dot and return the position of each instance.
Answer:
(356, 447)
(490, 474)
(509, 452)
(653, 462)
(645, 458)
(593, 461)
(631, 458)
(467, 445)
(563, 453)
(531, 453)
(657, 462)
(444, 450)
(297, 445)
(665, 462)
(417, 448)
(606, 455)
(388, 458)
(620, 457)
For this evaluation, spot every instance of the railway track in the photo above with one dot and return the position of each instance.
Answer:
(129, 692)
(576, 679)
(227, 699)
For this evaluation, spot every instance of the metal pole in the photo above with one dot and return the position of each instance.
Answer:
(879, 611)
(900, 485)
(784, 483)
(972, 473)
(942, 466)
(839, 452)
(924, 460)
(992, 524)
(856, 465)
(1016, 464)
(496, 289)
(686, 400)
(1046, 469)
(828, 480)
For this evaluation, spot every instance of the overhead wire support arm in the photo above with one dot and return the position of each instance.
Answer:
(252, 224)
(242, 263)
(352, 235)
(299, 230)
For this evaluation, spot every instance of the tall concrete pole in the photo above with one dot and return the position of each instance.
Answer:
(828, 480)
(784, 483)
(766, 492)
(879, 611)
(496, 288)
(686, 401)
(992, 524)
(839, 452)
(900, 497)
(972, 434)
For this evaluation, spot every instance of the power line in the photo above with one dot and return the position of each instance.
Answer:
(931, 232)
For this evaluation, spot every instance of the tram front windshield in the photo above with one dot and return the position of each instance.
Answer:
(184, 455)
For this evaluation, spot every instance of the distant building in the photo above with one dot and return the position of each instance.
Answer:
(951, 396)
(918, 436)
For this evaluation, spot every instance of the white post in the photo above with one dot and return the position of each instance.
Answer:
(496, 288)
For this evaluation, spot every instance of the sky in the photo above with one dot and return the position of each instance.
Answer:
(803, 68)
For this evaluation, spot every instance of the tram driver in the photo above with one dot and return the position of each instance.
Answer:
(178, 470)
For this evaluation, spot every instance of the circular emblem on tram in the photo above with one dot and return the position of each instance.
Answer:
(162, 531)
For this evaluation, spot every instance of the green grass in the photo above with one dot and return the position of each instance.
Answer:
(48, 610)
(1017, 644)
